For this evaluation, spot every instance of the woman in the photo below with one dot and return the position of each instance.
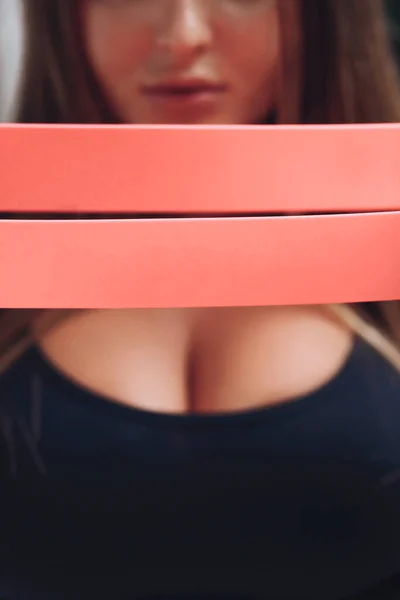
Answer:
(249, 452)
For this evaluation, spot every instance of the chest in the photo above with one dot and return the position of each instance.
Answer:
(213, 360)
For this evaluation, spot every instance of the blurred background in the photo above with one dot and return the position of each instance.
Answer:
(394, 14)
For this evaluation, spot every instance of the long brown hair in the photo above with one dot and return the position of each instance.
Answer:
(337, 67)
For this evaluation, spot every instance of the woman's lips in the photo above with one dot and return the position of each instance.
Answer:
(185, 95)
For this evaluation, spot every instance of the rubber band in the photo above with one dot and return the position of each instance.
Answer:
(199, 262)
(208, 170)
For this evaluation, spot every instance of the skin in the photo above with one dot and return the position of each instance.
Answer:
(134, 43)
(193, 360)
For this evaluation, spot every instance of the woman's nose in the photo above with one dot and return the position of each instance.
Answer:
(185, 30)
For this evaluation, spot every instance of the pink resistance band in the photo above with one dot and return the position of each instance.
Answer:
(237, 259)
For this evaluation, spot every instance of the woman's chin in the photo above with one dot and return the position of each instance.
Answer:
(185, 117)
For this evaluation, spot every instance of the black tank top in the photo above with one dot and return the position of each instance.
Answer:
(298, 501)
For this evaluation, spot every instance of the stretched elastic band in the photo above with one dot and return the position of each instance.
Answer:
(199, 262)
(190, 170)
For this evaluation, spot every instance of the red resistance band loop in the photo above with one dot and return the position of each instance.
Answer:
(199, 262)
(224, 170)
